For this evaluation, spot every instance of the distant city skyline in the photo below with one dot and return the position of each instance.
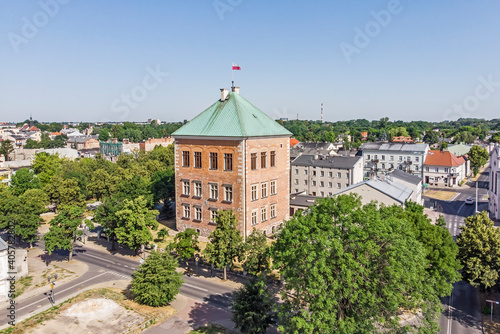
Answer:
(118, 61)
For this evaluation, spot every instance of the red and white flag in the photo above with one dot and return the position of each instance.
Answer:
(236, 67)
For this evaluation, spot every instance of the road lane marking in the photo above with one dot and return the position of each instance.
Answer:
(72, 287)
(100, 258)
(195, 287)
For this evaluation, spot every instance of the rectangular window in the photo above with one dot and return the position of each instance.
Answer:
(347, 175)
(228, 161)
(253, 161)
(296, 171)
(322, 194)
(330, 174)
(213, 161)
(305, 171)
(408, 158)
(214, 191)
(383, 157)
(314, 173)
(273, 187)
(400, 158)
(322, 184)
(254, 218)
(273, 211)
(305, 182)
(446, 170)
(322, 173)
(416, 159)
(339, 175)
(187, 211)
(314, 183)
(213, 216)
(254, 192)
(330, 184)
(273, 158)
(368, 157)
(197, 213)
(416, 168)
(426, 169)
(197, 189)
(263, 188)
(338, 186)
(392, 158)
(263, 159)
(263, 214)
(197, 159)
(437, 169)
(228, 193)
(185, 188)
(296, 181)
(185, 158)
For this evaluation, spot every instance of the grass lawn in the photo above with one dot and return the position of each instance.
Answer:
(441, 195)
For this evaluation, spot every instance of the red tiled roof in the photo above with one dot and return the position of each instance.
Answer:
(293, 142)
(33, 128)
(56, 133)
(446, 158)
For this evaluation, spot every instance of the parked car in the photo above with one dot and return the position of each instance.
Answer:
(469, 201)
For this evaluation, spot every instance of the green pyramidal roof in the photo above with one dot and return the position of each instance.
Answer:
(233, 117)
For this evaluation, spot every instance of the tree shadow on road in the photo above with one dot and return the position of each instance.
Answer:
(213, 308)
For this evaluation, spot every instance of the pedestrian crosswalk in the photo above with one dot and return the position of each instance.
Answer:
(114, 273)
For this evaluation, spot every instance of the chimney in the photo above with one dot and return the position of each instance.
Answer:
(223, 94)
(236, 90)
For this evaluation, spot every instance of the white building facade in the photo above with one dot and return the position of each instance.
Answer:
(494, 178)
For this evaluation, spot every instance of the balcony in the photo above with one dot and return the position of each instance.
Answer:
(375, 160)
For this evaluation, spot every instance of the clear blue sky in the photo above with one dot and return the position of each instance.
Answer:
(85, 55)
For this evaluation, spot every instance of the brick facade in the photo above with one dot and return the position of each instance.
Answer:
(241, 178)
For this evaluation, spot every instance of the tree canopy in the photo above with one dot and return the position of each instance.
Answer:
(349, 268)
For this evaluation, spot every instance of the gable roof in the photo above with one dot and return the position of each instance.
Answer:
(232, 117)
(404, 176)
(396, 191)
(459, 149)
(293, 142)
(443, 158)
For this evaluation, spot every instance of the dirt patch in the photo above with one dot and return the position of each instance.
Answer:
(106, 310)
(441, 195)
(98, 315)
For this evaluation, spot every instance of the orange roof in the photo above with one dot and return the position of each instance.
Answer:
(56, 133)
(446, 158)
(293, 142)
(33, 128)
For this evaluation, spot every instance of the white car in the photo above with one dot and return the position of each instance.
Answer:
(469, 201)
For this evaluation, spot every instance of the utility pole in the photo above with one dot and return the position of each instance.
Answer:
(476, 195)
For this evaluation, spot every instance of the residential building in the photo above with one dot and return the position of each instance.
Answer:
(494, 180)
(442, 168)
(410, 181)
(17, 268)
(150, 144)
(402, 139)
(232, 156)
(83, 142)
(322, 176)
(459, 149)
(380, 157)
(384, 191)
(293, 142)
(301, 201)
(111, 149)
(319, 148)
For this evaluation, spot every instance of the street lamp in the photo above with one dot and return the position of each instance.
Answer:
(52, 283)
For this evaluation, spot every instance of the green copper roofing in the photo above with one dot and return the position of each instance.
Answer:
(459, 150)
(234, 117)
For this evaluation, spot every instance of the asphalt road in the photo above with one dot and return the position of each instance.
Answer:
(104, 267)
(462, 309)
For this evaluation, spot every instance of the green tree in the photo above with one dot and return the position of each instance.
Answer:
(464, 137)
(6, 148)
(162, 233)
(9, 207)
(134, 223)
(163, 185)
(104, 135)
(252, 306)
(106, 216)
(478, 156)
(63, 232)
(479, 250)
(23, 180)
(64, 192)
(31, 205)
(186, 244)
(256, 253)
(100, 184)
(225, 242)
(46, 166)
(345, 268)
(156, 282)
(431, 137)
